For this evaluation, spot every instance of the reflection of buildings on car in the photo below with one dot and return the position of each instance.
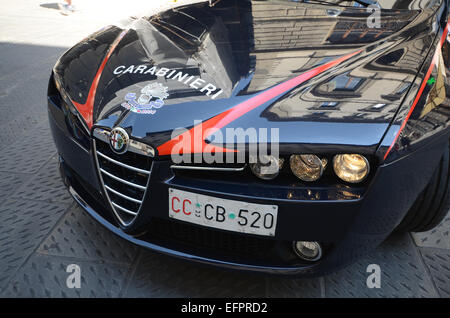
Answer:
(308, 44)
(208, 53)
(279, 42)
(434, 115)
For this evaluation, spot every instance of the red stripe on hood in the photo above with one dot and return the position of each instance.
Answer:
(422, 87)
(86, 110)
(186, 140)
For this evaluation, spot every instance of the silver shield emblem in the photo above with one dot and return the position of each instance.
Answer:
(118, 140)
(151, 98)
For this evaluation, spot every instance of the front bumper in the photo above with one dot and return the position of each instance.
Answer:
(348, 228)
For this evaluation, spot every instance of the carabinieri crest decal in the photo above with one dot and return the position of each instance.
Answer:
(152, 97)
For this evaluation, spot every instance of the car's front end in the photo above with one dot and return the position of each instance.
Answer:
(138, 112)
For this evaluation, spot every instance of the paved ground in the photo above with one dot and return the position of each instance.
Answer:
(42, 230)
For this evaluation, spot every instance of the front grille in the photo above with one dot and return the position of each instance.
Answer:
(125, 179)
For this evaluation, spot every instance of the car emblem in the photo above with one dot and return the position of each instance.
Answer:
(118, 140)
(151, 98)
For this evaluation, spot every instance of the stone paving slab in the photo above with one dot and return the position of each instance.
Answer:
(9, 182)
(78, 236)
(46, 276)
(29, 154)
(45, 185)
(23, 225)
(162, 276)
(403, 273)
(438, 263)
(438, 237)
(23, 90)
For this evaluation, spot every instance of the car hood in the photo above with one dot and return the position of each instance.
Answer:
(317, 73)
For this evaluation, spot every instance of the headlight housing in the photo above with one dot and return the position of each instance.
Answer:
(307, 167)
(352, 168)
(268, 168)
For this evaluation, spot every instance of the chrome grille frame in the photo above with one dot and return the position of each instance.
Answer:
(107, 189)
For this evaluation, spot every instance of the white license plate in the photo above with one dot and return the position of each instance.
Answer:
(231, 215)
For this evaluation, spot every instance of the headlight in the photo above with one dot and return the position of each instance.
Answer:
(351, 168)
(307, 167)
(268, 168)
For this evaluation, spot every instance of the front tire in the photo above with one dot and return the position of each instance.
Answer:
(432, 205)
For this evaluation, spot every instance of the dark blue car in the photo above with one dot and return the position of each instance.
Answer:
(285, 137)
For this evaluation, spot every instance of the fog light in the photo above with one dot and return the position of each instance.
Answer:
(268, 167)
(308, 251)
(351, 168)
(307, 167)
